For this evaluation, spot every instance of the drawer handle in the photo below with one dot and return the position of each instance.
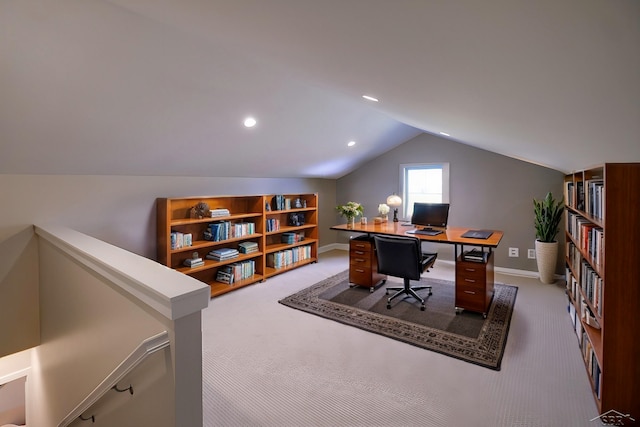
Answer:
(359, 271)
(469, 269)
(360, 260)
(470, 292)
(359, 253)
(359, 246)
(470, 280)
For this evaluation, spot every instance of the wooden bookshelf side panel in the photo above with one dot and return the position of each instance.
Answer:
(616, 344)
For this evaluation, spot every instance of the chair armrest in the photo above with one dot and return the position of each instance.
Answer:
(427, 260)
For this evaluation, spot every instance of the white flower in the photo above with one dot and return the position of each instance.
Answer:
(351, 209)
(383, 209)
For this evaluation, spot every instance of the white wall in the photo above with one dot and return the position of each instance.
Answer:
(116, 209)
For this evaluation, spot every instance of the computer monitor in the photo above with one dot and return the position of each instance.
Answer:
(428, 215)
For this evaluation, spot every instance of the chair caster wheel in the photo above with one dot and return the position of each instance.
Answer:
(422, 308)
(388, 306)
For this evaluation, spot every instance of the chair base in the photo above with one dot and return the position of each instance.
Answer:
(409, 291)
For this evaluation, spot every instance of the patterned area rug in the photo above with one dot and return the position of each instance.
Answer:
(466, 336)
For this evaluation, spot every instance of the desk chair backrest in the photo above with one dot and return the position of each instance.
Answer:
(399, 256)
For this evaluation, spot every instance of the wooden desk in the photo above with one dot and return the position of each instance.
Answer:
(474, 280)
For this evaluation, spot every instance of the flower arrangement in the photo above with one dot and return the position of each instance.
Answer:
(350, 210)
(383, 209)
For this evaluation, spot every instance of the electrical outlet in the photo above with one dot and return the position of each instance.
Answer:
(514, 252)
(531, 254)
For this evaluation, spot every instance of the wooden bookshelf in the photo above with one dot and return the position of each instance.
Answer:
(176, 215)
(297, 253)
(603, 279)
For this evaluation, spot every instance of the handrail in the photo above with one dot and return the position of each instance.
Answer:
(144, 350)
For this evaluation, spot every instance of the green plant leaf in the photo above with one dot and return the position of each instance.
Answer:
(547, 217)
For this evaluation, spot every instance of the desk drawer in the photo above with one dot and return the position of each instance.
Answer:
(468, 281)
(360, 275)
(471, 299)
(360, 259)
(360, 245)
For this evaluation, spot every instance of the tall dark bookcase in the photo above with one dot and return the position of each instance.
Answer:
(603, 280)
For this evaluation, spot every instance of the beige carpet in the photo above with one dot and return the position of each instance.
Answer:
(268, 365)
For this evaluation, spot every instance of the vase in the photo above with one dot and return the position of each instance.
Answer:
(351, 222)
(546, 258)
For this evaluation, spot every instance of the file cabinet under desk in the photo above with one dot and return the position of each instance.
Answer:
(474, 285)
(363, 263)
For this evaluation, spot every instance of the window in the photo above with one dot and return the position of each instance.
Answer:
(423, 182)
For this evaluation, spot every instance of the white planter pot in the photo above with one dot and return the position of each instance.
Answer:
(546, 257)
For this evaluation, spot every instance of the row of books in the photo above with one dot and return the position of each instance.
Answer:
(588, 354)
(281, 203)
(587, 315)
(181, 240)
(591, 362)
(223, 254)
(291, 238)
(232, 273)
(273, 224)
(588, 236)
(224, 230)
(285, 258)
(574, 194)
(572, 284)
(475, 255)
(594, 198)
(591, 285)
(574, 256)
(588, 196)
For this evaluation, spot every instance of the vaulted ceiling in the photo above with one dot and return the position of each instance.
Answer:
(161, 87)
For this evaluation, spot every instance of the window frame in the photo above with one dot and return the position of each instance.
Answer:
(404, 167)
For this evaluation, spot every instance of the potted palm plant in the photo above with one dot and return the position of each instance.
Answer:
(547, 217)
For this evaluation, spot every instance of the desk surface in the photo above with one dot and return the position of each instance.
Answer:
(452, 235)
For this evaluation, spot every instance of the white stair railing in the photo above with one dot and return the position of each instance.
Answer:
(144, 350)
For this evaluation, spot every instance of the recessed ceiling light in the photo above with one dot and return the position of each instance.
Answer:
(351, 143)
(370, 98)
(250, 122)
(444, 133)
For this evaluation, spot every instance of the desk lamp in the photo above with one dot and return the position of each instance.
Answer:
(394, 201)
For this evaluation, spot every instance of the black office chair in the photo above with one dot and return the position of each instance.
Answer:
(403, 257)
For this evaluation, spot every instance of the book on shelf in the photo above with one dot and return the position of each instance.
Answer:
(287, 257)
(475, 255)
(290, 238)
(225, 275)
(219, 212)
(248, 247)
(180, 240)
(580, 195)
(273, 224)
(278, 202)
(222, 254)
(193, 262)
(569, 195)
